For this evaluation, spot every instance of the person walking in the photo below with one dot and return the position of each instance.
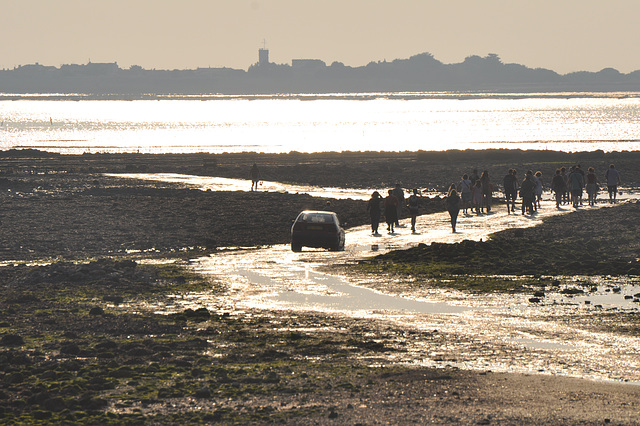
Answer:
(576, 183)
(255, 177)
(399, 194)
(373, 207)
(527, 188)
(391, 211)
(466, 192)
(413, 203)
(510, 184)
(538, 190)
(477, 197)
(566, 197)
(613, 180)
(592, 186)
(452, 203)
(559, 187)
(487, 190)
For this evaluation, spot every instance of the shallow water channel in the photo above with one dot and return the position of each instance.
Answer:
(488, 332)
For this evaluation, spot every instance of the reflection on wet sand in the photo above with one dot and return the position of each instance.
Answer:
(488, 332)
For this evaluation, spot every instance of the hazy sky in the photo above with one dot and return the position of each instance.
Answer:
(563, 35)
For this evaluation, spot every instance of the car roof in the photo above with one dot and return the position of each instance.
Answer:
(316, 212)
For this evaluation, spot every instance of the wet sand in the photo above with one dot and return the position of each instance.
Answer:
(55, 208)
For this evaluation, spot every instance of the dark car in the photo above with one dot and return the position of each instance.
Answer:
(317, 229)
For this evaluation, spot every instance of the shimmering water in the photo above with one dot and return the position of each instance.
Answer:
(575, 122)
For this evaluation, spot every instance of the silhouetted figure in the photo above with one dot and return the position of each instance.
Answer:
(527, 193)
(452, 203)
(413, 203)
(566, 197)
(487, 190)
(474, 176)
(537, 178)
(579, 170)
(576, 183)
(391, 210)
(613, 180)
(465, 189)
(510, 184)
(255, 177)
(399, 193)
(477, 197)
(559, 187)
(373, 207)
(592, 186)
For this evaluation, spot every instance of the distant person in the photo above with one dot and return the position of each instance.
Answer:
(474, 176)
(558, 187)
(452, 203)
(613, 180)
(373, 207)
(527, 193)
(399, 193)
(592, 186)
(579, 170)
(538, 190)
(477, 197)
(576, 183)
(255, 177)
(466, 192)
(487, 190)
(413, 203)
(566, 197)
(510, 184)
(391, 211)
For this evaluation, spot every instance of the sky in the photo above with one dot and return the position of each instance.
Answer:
(562, 35)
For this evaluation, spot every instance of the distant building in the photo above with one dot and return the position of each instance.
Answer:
(92, 68)
(263, 56)
(307, 64)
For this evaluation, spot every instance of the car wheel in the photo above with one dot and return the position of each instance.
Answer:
(296, 247)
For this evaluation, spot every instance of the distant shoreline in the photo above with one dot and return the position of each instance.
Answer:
(351, 96)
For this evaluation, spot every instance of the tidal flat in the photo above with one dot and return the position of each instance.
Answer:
(81, 343)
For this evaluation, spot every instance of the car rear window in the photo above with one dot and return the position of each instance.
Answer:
(317, 218)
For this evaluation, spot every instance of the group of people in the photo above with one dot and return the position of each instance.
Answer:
(567, 187)
(395, 201)
(474, 193)
(392, 205)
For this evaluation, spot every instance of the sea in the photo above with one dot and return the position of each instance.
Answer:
(75, 124)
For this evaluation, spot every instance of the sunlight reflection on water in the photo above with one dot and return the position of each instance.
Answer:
(288, 124)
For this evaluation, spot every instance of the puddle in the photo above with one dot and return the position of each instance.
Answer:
(323, 292)
(209, 183)
(487, 332)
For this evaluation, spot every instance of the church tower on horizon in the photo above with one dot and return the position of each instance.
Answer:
(263, 54)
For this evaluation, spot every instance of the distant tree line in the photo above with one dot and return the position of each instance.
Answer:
(420, 73)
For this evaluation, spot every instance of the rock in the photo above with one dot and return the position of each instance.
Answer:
(116, 300)
(571, 290)
(70, 349)
(106, 345)
(97, 310)
(12, 340)
(534, 300)
(203, 393)
(539, 294)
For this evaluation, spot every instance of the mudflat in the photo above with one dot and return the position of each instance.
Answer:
(82, 342)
